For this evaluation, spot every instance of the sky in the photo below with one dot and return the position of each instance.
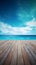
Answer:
(17, 17)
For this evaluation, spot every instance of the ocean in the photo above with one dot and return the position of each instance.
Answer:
(17, 37)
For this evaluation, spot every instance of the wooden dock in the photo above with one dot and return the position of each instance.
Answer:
(17, 52)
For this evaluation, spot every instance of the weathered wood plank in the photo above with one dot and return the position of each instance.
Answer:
(18, 52)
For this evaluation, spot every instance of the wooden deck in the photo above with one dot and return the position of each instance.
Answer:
(17, 52)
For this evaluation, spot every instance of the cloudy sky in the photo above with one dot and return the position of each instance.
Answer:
(17, 17)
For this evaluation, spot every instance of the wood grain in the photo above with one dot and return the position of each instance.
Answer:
(18, 52)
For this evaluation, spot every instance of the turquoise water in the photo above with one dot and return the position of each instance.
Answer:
(17, 37)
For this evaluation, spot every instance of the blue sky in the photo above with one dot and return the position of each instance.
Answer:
(17, 17)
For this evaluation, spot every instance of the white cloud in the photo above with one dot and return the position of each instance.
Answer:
(32, 23)
(9, 30)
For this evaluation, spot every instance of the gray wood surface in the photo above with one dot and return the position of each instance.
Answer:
(18, 52)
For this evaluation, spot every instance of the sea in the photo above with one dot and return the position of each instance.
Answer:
(17, 37)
